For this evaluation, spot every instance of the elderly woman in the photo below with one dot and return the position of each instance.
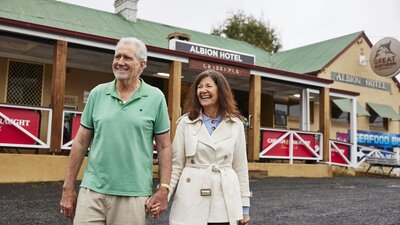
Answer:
(209, 170)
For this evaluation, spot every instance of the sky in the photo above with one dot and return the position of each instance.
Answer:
(298, 23)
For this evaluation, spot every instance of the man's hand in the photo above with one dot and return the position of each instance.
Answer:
(157, 203)
(68, 202)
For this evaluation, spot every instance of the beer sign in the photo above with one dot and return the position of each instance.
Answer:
(385, 57)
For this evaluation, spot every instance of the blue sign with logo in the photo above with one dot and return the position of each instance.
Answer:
(380, 140)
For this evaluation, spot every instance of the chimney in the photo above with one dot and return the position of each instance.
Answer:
(126, 8)
(179, 36)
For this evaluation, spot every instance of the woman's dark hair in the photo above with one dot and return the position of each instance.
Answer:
(226, 100)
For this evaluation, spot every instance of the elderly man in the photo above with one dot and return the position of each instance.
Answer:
(119, 122)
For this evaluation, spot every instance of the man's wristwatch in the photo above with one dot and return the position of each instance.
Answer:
(164, 185)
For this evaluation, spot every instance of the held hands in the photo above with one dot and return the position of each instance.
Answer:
(245, 220)
(68, 203)
(157, 203)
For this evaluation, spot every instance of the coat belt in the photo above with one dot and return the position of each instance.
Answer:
(226, 188)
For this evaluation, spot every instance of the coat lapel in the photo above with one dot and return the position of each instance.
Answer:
(205, 138)
(222, 132)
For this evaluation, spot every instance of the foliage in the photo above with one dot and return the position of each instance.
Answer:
(250, 29)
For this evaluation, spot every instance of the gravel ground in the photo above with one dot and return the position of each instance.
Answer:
(338, 200)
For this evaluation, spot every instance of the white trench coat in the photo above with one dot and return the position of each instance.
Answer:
(203, 162)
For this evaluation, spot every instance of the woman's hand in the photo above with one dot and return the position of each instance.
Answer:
(245, 220)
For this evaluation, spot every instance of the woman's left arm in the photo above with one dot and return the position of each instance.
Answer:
(239, 163)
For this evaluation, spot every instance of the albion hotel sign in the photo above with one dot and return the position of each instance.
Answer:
(360, 81)
(217, 53)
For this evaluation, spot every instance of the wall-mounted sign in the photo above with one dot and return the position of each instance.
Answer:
(360, 81)
(386, 141)
(85, 96)
(224, 69)
(213, 52)
(70, 101)
(385, 57)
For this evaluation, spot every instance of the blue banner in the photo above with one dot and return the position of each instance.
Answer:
(380, 140)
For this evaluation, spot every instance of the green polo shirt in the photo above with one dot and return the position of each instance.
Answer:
(120, 160)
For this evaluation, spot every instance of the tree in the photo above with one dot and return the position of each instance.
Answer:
(250, 29)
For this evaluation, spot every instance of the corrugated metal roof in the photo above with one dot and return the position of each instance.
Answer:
(75, 18)
(312, 57)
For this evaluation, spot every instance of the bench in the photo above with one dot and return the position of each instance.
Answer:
(382, 162)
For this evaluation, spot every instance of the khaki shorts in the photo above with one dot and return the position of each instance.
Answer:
(96, 208)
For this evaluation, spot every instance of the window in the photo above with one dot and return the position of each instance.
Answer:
(280, 114)
(376, 120)
(338, 115)
(24, 83)
(295, 109)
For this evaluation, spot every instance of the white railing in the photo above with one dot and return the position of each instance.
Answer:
(67, 141)
(291, 145)
(363, 152)
(11, 119)
(339, 153)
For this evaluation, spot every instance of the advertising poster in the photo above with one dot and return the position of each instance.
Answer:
(26, 118)
(385, 141)
(336, 156)
(282, 148)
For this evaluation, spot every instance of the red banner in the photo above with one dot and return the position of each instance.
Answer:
(26, 118)
(282, 148)
(336, 157)
(76, 122)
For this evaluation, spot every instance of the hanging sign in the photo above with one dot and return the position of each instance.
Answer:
(385, 57)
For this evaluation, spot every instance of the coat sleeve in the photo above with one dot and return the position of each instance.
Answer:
(239, 164)
(178, 157)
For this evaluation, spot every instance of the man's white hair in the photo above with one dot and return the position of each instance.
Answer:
(141, 50)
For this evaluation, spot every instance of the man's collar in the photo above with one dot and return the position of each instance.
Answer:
(143, 90)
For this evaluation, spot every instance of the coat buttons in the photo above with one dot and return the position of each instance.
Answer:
(225, 157)
(192, 161)
(188, 180)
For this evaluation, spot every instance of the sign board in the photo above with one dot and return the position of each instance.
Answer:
(224, 69)
(360, 81)
(385, 57)
(282, 148)
(344, 149)
(70, 101)
(386, 141)
(213, 52)
(26, 118)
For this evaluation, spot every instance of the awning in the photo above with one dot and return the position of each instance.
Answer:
(384, 111)
(345, 106)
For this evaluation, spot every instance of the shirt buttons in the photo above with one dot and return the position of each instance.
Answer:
(188, 180)
(225, 157)
(212, 121)
(213, 128)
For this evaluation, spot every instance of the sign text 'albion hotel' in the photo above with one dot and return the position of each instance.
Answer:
(198, 49)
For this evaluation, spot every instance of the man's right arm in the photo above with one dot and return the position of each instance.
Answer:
(78, 151)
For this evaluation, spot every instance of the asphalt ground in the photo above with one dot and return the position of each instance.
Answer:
(338, 200)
